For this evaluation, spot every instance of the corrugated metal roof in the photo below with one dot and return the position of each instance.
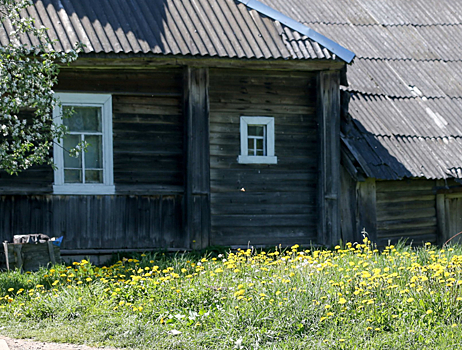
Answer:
(405, 84)
(218, 28)
(397, 157)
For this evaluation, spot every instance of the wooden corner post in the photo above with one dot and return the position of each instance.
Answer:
(197, 157)
(328, 110)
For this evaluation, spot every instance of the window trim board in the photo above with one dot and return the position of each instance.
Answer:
(88, 100)
(244, 158)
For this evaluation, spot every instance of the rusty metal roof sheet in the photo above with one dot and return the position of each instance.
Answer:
(405, 84)
(217, 28)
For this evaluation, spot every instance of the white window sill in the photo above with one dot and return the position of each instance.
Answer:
(257, 160)
(83, 189)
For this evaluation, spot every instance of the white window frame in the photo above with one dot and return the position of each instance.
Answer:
(86, 100)
(269, 158)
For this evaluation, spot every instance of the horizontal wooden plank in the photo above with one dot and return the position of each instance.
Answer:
(144, 131)
(405, 205)
(404, 196)
(263, 209)
(146, 100)
(258, 198)
(231, 98)
(217, 73)
(26, 190)
(408, 232)
(279, 120)
(148, 189)
(270, 186)
(263, 220)
(387, 215)
(136, 108)
(405, 185)
(261, 109)
(146, 119)
(166, 177)
(252, 176)
(406, 223)
(168, 80)
(267, 236)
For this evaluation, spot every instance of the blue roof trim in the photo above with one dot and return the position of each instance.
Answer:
(332, 46)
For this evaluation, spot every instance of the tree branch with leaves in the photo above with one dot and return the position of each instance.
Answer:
(29, 67)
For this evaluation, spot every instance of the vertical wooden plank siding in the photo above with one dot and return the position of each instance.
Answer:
(261, 204)
(366, 210)
(348, 208)
(96, 222)
(443, 232)
(406, 209)
(328, 110)
(197, 196)
(453, 217)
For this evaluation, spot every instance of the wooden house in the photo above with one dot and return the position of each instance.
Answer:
(210, 123)
(401, 126)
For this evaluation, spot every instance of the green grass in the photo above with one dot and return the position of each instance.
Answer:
(347, 298)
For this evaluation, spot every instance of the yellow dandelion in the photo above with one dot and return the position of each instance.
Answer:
(342, 301)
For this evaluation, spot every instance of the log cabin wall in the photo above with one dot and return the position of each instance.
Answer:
(147, 209)
(406, 209)
(255, 203)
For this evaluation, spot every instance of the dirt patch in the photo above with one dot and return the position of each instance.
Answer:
(26, 344)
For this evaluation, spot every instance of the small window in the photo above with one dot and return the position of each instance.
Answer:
(91, 122)
(257, 141)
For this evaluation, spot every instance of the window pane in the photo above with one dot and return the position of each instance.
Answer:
(256, 130)
(250, 144)
(69, 142)
(72, 176)
(259, 143)
(259, 130)
(260, 152)
(93, 155)
(93, 176)
(84, 119)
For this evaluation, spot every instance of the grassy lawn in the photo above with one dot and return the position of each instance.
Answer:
(352, 297)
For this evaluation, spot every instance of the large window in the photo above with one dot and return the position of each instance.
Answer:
(257, 140)
(89, 172)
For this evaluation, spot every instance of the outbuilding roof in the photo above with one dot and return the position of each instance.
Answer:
(405, 83)
(215, 28)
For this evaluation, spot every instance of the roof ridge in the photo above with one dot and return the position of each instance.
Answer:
(329, 44)
(413, 136)
(407, 59)
(384, 24)
(363, 93)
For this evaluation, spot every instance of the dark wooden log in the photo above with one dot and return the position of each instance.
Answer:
(328, 109)
(197, 159)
